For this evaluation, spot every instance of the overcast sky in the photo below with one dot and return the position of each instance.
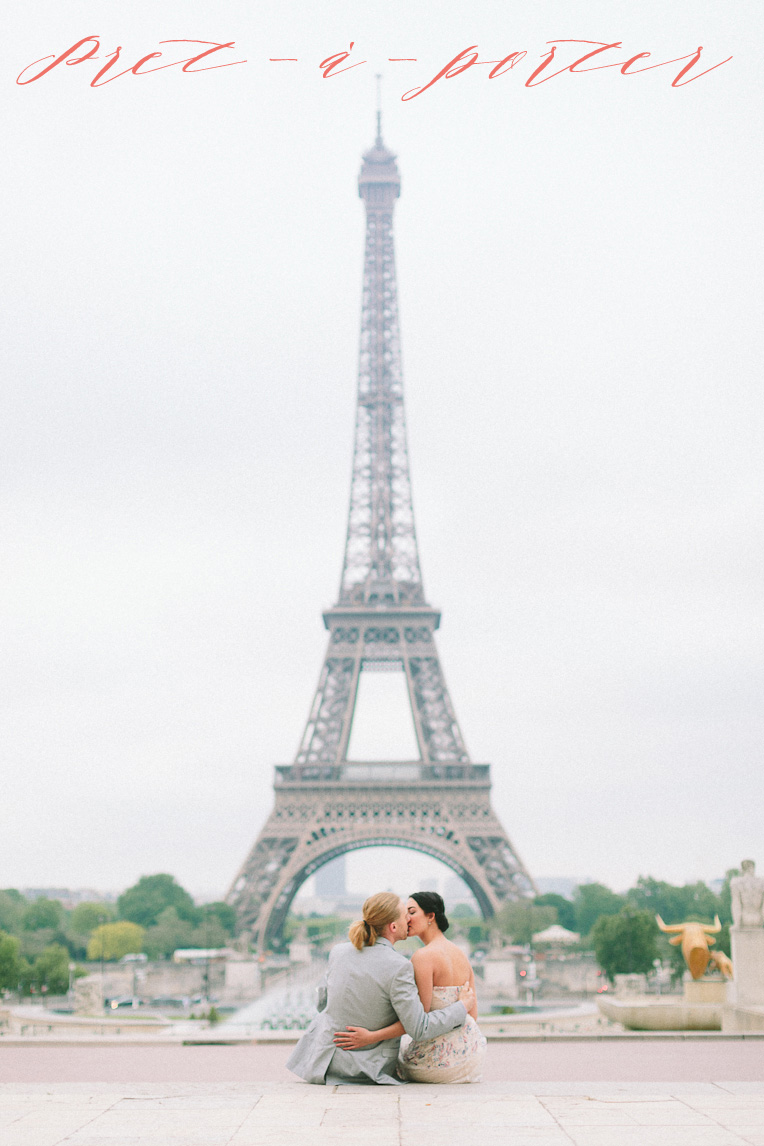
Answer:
(579, 268)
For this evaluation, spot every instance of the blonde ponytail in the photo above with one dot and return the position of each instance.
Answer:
(378, 911)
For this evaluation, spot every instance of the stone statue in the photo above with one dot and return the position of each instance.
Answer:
(747, 897)
(496, 942)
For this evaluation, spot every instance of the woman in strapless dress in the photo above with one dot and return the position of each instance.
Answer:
(439, 968)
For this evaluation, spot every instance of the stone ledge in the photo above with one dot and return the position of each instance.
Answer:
(59, 1040)
(652, 1016)
(739, 1020)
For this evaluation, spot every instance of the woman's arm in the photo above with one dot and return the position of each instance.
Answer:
(473, 1009)
(354, 1038)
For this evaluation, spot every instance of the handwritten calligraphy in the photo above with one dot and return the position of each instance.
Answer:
(336, 64)
(69, 58)
(468, 58)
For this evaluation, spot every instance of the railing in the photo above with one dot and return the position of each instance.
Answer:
(413, 772)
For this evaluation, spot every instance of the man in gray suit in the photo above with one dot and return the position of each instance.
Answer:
(371, 987)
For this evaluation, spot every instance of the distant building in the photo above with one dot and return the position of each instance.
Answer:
(426, 883)
(455, 891)
(348, 905)
(564, 885)
(68, 896)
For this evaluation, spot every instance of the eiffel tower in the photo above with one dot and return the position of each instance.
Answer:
(325, 804)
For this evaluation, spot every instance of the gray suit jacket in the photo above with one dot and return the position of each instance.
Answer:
(369, 988)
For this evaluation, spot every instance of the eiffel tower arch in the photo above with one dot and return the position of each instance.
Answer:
(326, 804)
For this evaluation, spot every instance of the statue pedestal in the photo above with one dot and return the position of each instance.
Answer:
(88, 995)
(748, 962)
(704, 990)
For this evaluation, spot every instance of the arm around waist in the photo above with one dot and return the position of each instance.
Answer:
(416, 1021)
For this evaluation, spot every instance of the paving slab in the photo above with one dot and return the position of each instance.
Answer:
(700, 1113)
(624, 1094)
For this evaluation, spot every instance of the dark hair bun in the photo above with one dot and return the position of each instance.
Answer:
(432, 904)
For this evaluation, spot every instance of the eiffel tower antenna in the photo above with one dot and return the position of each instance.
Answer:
(379, 110)
(325, 804)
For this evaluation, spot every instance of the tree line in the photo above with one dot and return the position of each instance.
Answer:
(40, 938)
(619, 928)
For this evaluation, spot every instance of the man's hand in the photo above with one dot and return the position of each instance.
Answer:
(467, 996)
(353, 1038)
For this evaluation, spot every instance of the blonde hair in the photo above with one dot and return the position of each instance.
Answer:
(378, 911)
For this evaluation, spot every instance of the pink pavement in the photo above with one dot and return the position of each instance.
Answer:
(594, 1060)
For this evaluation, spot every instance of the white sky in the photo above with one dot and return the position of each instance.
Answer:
(580, 288)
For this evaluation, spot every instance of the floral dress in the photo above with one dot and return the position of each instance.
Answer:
(454, 1057)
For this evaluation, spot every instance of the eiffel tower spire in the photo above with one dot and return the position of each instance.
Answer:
(381, 573)
(381, 564)
(325, 804)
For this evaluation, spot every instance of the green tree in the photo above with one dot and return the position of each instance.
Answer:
(87, 916)
(83, 921)
(477, 934)
(222, 912)
(657, 897)
(701, 901)
(11, 963)
(520, 920)
(114, 940)
(42, 914)
(565, 908)
(210, 933)
(625, 943)
(50, 969)
(674, 904)
(33, 943)
(593, 900)
(42, 924)
(168, 934)
(144, 902)
(723, 940)
(725, 896)
(12, 904)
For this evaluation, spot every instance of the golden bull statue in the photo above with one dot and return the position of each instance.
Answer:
(696, 938)
(723, 963)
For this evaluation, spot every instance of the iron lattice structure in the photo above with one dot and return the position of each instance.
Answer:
(326, 805)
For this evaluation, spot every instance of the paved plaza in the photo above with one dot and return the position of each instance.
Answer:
(282, 1114)
(643, 1093)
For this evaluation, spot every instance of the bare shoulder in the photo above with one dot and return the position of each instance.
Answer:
(452, 967)
(454, 951)
(457, 954)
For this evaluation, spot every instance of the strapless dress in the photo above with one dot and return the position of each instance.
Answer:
(456, 1056)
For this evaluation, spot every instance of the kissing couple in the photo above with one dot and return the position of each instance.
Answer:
(372, 995)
